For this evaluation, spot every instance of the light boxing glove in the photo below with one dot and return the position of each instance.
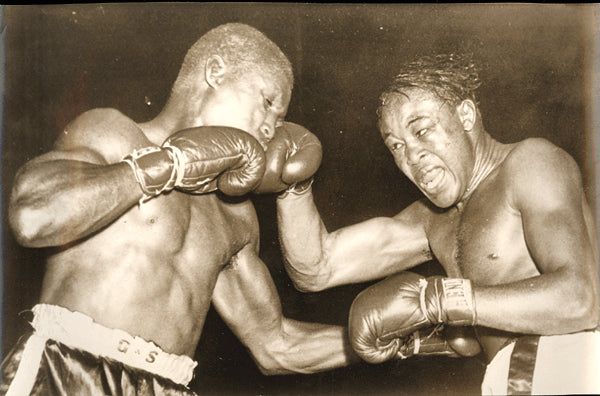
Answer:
(292, 158)
(200, 160)
(401, 304)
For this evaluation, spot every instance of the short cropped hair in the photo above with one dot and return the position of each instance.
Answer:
(243, 48)
(451, 77)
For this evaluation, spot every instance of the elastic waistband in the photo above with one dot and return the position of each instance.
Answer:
(77, 330)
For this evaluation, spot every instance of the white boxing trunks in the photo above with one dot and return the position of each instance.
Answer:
(69, 353)
(546, 365)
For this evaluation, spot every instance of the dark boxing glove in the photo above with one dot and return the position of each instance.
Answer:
(200, 160)
(384, 314)
(292, 157)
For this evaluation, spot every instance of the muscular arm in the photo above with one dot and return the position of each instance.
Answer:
(247, 300)
(317, 259)
(78, 187)
(546, 191)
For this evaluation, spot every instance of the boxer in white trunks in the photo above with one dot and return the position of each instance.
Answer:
(509, 223)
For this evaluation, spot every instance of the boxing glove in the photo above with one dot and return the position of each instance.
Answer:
(439, 340)
(462, 340)
(401, 304)
(292, 157)
(200, 160)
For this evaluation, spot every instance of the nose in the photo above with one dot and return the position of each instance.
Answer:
(267, 130)
(414, 153)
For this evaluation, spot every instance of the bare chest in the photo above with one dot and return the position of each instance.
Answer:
(483, 240)
(193, 235)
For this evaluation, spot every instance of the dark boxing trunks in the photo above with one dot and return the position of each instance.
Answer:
(53, 361)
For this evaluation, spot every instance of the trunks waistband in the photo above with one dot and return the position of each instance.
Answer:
(79, 331)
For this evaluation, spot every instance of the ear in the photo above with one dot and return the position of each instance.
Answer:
(214, 70)
(467, 111)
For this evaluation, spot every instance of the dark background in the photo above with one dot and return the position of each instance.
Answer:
(61, 60)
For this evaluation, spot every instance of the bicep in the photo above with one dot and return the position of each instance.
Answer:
(99, 136)
(246, 298)
(94, 139)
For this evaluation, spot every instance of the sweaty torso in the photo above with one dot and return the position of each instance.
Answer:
(151, 272)
(483, 240)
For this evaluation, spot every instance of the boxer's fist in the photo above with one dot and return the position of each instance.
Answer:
(463, 340)
(292, 157)
(383, 315)
(200, 160)
(440, 340)
(217, 157)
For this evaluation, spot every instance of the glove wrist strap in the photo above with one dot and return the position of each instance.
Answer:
(155, 170)
(417, 341)
(459, 301)
(297, 189)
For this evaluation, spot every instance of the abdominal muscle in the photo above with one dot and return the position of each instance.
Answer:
(149, 298)
(150, 281)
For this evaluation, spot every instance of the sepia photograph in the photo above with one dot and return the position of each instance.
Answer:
(283, 199)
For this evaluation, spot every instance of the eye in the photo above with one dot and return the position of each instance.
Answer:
(396, 146)
(268, 103)
(421, 132)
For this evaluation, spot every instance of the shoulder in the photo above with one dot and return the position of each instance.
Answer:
(417, 215)
(539, 157)
(536, 150)
(106, 132)
(417, 211)
(537, 169)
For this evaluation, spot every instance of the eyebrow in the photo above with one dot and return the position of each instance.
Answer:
(414, 119)
(408, 124)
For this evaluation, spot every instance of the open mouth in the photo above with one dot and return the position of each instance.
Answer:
(430, 179)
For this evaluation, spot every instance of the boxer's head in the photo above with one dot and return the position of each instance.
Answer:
(451, 78)
(428, 119)
(243, 50)
(237, 77)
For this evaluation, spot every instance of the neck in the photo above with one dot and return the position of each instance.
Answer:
(489, 153)
(181, 111)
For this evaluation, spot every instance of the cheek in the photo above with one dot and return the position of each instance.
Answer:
(456, 155)
(398, 159)
(256, 119)
(401, 164)
(247, 114)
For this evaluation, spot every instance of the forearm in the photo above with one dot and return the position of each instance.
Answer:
(59, 201)
(547, 304)
(554, 303)
(302, 233)
(306, 348)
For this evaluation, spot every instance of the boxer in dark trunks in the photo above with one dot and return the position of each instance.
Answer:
(145, 233)
(509, 223)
